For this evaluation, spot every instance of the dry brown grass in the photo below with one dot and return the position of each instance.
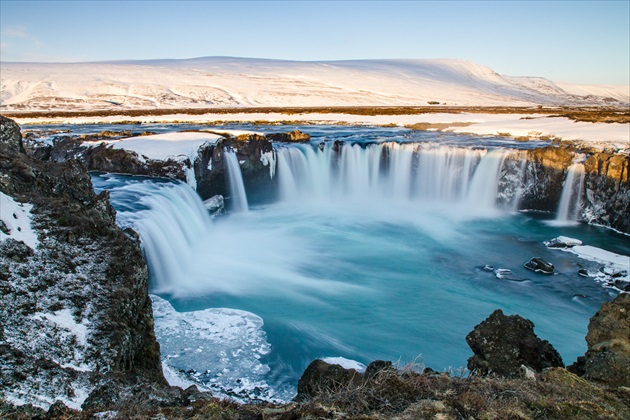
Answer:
(588, 114)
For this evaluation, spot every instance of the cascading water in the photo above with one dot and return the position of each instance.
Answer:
(571, 198)
(421, 173)
(238, 197)
(366, 275)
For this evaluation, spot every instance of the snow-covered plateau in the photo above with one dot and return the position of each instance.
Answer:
(246, 82)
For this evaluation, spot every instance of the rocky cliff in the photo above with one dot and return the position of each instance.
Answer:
(75, 315)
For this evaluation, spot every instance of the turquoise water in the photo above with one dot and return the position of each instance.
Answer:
(361, 276)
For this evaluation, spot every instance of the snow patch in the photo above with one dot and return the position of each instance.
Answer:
(345, 363)
(64, 319)
(178, 146)
(591, 253)
(16, 217)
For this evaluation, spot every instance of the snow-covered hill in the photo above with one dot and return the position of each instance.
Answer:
(226, 82)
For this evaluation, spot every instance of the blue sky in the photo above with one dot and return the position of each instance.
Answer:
(571, 41)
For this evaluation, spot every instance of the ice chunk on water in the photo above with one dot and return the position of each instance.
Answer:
(219, 349)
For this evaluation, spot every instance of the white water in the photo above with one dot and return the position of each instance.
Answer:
(408, 174)
(571, 198)
(238, 197)
(368, 257)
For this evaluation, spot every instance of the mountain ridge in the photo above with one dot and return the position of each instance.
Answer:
(240, 82)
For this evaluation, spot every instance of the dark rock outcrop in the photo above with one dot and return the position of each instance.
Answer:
(75, 309)
(607, 190)
(544, 174)
(607, 359)
(539, 265)
(503, 343)
(606, 193)
(295, 136)
(321, 377)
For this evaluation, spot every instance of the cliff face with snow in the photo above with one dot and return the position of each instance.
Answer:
(226, 82)
(75, 315)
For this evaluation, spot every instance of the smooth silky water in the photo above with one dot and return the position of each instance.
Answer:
(360, 258)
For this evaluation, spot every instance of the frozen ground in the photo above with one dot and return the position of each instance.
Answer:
(534, 126)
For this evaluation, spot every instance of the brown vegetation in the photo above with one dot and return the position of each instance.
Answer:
(587, 114)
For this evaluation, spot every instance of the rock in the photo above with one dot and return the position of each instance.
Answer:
(539, 265)
(377, 367)
(503, 343)
(562, 242)
(293, 136)
(85, 271)
(215, 204)
(11, 135)
(607, 359)
(321, 377)
(501, 273)
(526, 373)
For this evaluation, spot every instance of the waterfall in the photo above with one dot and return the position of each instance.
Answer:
(238, 197)
(571, 198)
(401, 172)
(484, 185)
(171, 221)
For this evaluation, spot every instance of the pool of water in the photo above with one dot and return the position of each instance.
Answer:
(363, 280)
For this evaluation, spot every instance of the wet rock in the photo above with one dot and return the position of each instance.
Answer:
(215, 204)
(294, 136)
(607, 359)
(607, 190)
(539, 265)
(503, 343)
(321, 377)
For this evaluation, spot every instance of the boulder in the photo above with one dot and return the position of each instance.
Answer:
(378, 367)
(607, 359)
(321, 377)
(292, 136)
(539, 265)
(503, 343)
(11, 134)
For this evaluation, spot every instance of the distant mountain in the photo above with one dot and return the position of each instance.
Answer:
(245, 82)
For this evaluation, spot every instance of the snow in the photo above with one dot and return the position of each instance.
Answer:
(179, 146)
(563, 240)
(233, 82)
(345, 363)
(611, 135)
(17, 218)
(64, 319)
(613, 266)
(591, 253)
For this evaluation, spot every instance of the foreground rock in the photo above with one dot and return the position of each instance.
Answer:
(503, 343)
(321, 377)
(607, 359)
(75, 314)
